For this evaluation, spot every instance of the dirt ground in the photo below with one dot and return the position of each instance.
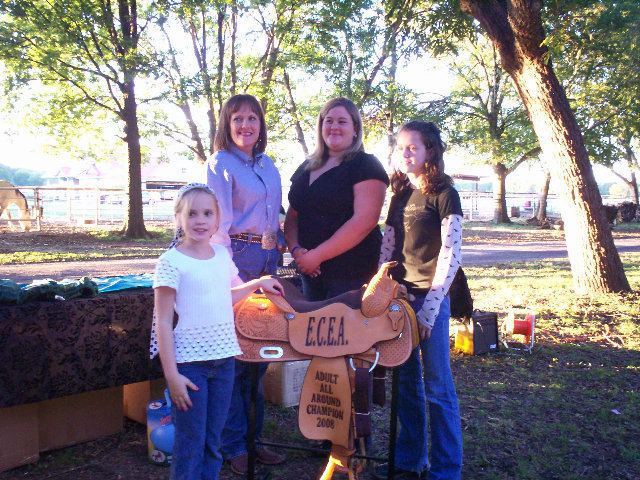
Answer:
(58, 237)
(73, 252)
(124, 456)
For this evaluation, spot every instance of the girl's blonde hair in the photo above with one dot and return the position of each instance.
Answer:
(223, 140)
(183, 203)
(321, 154)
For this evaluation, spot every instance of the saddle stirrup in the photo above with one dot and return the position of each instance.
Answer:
(338, 463)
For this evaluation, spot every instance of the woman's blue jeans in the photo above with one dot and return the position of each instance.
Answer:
(434, 388)
(252, 262)
(196, 452)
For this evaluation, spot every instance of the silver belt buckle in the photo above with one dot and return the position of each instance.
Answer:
(269, 240)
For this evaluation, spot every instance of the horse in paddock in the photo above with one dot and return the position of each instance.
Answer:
(14, 197)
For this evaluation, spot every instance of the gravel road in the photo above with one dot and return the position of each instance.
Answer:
(480, 254)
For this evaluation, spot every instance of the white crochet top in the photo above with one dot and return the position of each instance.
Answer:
(205, 329)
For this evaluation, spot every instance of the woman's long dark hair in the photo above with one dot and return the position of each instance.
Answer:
(433, 179)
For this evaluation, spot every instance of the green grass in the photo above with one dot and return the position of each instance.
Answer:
(487, 232)
(503, 227)
(40, 257)
(88, 244)
(627, 228)
(549, 415)
(156, 233)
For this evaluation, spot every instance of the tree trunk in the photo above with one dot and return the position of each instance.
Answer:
(198, 147)
(391, 103)
(348, 88)
(200, 52)
(268, 69)
(211, 114)
(134, 223)
(631, 183)
(232, 61)
(128, 14)
(634, 187)
(541, 211)
(221, 48)
(500, 214)
(632, 163)
(293, 109)
(515, 27)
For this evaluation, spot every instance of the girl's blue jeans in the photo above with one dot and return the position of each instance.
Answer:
(252, 262)
(196, 452)
(426, 379)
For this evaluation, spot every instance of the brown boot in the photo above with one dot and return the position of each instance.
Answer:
(269, 457)
(239, 464)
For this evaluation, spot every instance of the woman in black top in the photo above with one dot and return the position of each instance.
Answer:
(335, 201)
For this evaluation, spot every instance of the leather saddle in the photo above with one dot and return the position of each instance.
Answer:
(346, 338)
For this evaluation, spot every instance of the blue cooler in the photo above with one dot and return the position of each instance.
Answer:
(160, 431)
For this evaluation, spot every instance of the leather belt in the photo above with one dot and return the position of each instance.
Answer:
(268, 240)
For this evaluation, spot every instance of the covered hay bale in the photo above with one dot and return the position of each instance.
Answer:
(611, 212)
(626, 212)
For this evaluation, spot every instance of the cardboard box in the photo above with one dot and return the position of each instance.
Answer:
(282, 383)
(78, 418)
(18, 436)
(26, 430)
(136, 396)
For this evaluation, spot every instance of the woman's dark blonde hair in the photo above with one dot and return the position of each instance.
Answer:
(433, 179)
(321, 154)
(223, 139)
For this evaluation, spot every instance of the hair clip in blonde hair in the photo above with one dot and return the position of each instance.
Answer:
(176, 238)
(190, 186)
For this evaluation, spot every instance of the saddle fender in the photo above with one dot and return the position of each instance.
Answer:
(262, 332)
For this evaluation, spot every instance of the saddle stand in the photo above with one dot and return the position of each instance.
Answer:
(348, 338)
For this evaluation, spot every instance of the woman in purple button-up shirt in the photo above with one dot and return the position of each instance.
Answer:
(247, 184)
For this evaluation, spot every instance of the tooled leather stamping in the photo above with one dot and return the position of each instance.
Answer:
(369, 327)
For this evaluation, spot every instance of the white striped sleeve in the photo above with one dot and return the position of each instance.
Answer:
(388, 245)
(449, 260)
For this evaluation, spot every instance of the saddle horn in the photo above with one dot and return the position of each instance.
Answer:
(380, 291)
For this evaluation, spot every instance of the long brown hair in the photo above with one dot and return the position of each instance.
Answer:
(223, 139)
(433, 179)
(321, 153)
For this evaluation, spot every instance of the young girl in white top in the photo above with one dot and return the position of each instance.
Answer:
(199, 282)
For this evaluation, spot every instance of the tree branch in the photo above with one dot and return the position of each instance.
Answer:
(531, 153)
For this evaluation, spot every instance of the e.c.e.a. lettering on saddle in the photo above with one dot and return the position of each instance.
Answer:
(371, 327)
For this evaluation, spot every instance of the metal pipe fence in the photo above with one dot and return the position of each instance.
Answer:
(87, 205)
